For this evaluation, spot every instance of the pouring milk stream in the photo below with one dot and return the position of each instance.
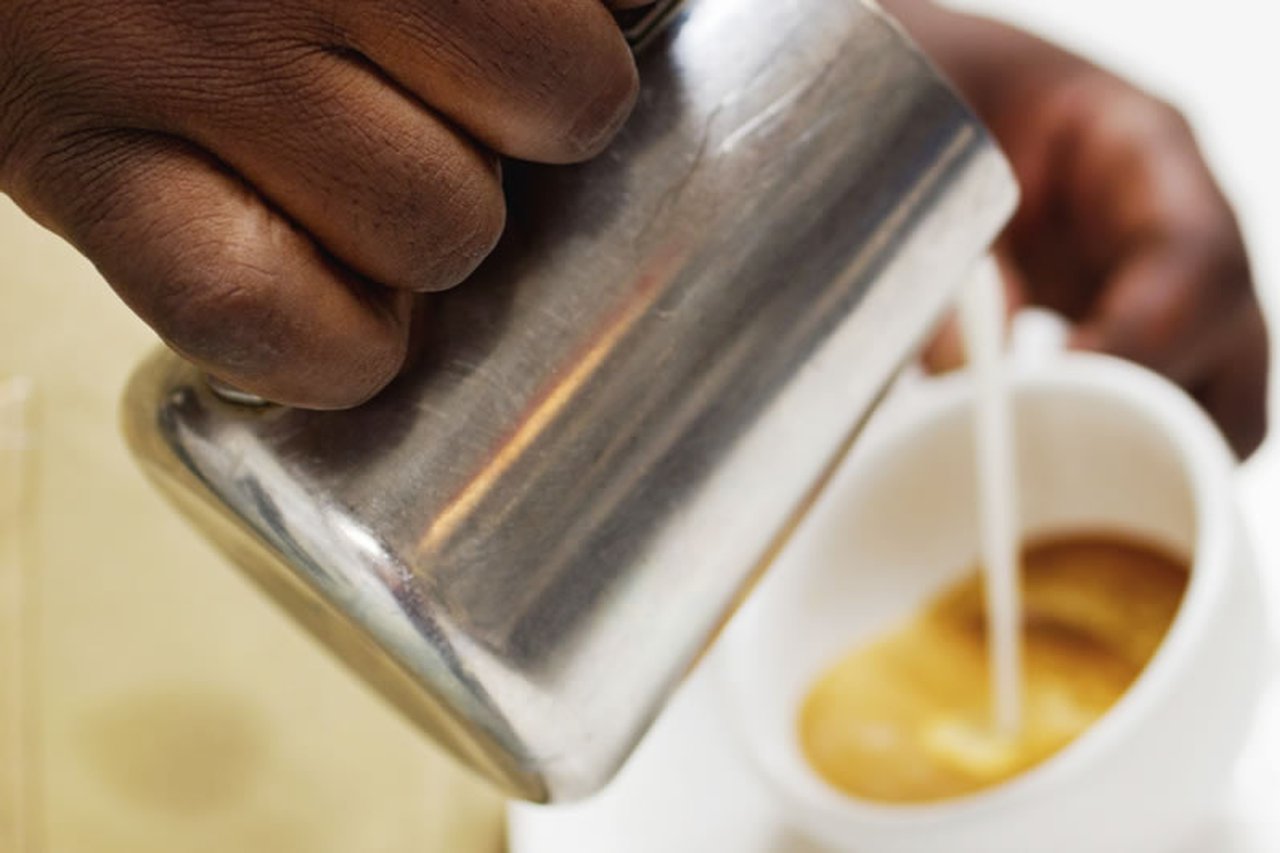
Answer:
(982, 321)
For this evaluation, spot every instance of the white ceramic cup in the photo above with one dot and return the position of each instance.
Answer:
(1102, 446)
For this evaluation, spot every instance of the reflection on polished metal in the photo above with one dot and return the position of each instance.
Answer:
(529, 539)
(642, 24)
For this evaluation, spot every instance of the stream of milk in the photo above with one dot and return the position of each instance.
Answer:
(982, 322)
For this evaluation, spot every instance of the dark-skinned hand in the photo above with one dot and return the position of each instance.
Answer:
(1122, 228)
(267, 184)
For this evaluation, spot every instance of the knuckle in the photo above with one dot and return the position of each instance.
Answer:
(603, 93)
(478, 225)
(549, 81)
(1163, 117)
(228, 321)
(567, 104)
(15, 68)
(235, 326)
(372, 365)
(28, 118)
(15, 110)
(1170, 115)
(446, 240)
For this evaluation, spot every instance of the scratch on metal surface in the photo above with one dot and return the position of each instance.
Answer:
(763, 119)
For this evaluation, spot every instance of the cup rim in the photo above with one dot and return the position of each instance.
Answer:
(1206, 462)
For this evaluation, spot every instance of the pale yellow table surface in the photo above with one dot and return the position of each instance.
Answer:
(173, 709)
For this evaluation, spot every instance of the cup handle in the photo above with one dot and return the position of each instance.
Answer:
(1037, 337)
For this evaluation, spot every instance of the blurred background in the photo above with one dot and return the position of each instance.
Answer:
(151, 701)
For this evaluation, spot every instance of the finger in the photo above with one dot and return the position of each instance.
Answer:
(1106, 171)
(543, 80)
(1236, 393)
(1189, 312)
(1169, 307)
(383, 184)
(224, 280)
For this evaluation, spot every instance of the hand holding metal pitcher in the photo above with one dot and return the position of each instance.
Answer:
(535, 532)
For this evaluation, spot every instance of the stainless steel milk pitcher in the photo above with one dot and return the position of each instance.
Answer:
(528, 540)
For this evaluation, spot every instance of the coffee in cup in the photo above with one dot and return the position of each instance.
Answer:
(907, 718)
(1105, 449)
